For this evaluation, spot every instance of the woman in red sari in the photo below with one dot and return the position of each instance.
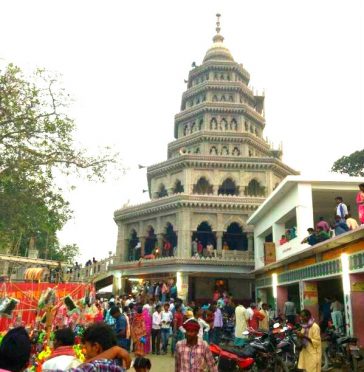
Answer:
(138, 332)
(148, 328)
(360, 203)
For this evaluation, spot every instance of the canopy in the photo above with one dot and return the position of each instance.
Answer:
(34, 273)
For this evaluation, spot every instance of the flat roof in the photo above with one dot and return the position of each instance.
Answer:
(340, 182)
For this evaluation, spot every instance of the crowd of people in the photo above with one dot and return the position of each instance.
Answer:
(342, 223)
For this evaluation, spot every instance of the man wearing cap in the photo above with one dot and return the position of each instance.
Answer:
(193, 354)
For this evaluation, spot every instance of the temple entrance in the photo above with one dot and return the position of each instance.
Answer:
(170, 241)
(134, 247)
(235, 238)
(150, 241)
(205, 235)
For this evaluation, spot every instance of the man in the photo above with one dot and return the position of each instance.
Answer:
(15, 350)
(120, 327)
(241, 318)
(336, 308)
(264, 323)
(101, 352)
(178, 332)
(351, 222)
(322, 223)
(256, 317)
(63, 356)
(156, 330)
(193, 354)
(167, 317)
(311, 239)
(341, 208)
(289, 311)
(340, 226)
(194, 247)
(321, 234)
(218, 324)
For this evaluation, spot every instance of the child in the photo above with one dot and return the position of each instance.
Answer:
(142, 364)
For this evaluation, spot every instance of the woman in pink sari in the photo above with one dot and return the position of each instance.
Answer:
(360, 202)
(148, 327)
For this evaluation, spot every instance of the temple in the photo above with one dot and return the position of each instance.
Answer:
(218, 171)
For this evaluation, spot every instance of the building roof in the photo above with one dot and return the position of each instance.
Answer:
(337, 182)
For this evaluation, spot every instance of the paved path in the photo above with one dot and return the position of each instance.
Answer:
(161, 363)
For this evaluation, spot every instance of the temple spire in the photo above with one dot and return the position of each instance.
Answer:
(218, 38)
(218, 28)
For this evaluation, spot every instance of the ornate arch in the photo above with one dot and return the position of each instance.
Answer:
(200, 219)
(228, 187)
(234, 219)
(178, 187)
(224, 124)
(213, 123)
(254, 188)
(203, 186)
(236, 151)
(213, 150)
(233, 124)
(225, 150)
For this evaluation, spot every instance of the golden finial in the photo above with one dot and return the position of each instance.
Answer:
(218, 28)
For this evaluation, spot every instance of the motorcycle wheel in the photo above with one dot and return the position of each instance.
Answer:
(280, 366)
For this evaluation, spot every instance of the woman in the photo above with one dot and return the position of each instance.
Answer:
(310, 355)
(138, 332)
(148, 329)
(360, 202)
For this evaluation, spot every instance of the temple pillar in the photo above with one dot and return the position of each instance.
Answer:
(184, 234)
(250, 237)
(182, 285)
(142, 245)
(121, 245)
(219, 236)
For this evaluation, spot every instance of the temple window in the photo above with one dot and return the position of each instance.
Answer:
(224, 151)
(216, 77)
(200, 124)
(213, 150)
(231, 98)
(228, 77)
(233, 125)
(223, 98)
(228, 187)
(246, 125)
(202, 187)
(185, 130)
(222, 77)
(193, 127)
(236, 151)
(197, 151)
(162, 191)
(224, 124)
(213, 123)
(178, 187)
(214, 98)
(254, 189)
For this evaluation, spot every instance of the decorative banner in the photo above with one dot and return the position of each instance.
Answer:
(310, 295)
(357, 287)
(28, 293)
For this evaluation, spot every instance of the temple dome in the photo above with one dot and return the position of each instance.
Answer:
(218, 51)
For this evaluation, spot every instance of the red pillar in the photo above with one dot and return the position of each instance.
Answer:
(282, 296)
(357, 305)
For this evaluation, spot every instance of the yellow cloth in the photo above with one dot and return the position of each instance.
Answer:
(241, 317)
(264, 324)
(310, 355)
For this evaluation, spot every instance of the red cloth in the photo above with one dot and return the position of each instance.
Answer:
(254, 321)
(62, 350)
(178, 318)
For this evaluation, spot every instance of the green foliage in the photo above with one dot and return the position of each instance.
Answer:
(353, 165)
(36, 143)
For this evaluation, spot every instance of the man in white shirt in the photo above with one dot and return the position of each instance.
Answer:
(167, 318)
(156, 330)
(341, 208)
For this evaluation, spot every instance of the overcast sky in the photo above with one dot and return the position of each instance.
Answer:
(124, 63)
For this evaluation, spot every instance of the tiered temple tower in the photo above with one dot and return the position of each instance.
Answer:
(219, 170)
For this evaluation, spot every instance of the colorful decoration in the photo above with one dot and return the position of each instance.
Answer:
(7, 305)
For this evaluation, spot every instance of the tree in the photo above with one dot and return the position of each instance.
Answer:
(353, 165)
(36, 143)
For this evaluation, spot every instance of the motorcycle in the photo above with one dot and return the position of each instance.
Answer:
(341, 350)
(228, 361)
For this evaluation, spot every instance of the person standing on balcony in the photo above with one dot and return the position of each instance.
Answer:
(194, 248)
(199, 248)
(341, 208)
(360, 203)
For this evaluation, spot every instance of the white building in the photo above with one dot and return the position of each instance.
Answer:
(298, 202)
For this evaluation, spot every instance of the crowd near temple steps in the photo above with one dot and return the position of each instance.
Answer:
(237, 262)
